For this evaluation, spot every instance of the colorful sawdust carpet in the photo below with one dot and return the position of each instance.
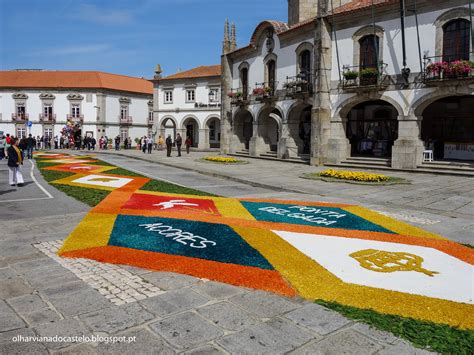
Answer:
(334, 252)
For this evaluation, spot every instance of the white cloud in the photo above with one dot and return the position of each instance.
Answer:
(79, 49)
(92, 13)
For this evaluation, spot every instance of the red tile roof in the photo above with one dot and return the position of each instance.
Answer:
(199, 72)
(358, 5)
(73, 80)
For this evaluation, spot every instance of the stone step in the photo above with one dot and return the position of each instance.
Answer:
(370, 159)
(440, 167)
(447, 163)
(363, 163)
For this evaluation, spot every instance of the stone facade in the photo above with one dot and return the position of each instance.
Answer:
(327, 94)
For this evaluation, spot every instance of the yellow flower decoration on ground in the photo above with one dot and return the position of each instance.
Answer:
(354, 175)
(225, 160)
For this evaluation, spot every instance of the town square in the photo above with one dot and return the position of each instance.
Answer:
(304, 188)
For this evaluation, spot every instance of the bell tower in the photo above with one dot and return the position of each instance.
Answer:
(300, 10)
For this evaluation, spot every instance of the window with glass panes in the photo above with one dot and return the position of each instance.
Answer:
(190, 95)
(76, 110)
(168, 97)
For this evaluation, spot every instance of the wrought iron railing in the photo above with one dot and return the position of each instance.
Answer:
(265, 90)
(125, 120)
(238, 95)
(20, 116)
(47, 118)
(357, 76)
(299, 84)
(438, 68)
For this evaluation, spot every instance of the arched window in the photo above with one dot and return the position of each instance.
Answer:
(305, 63)
(244, 81)
(369, 49)
(271, 71)
(456, 37)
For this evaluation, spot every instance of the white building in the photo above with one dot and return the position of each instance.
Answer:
(102, 104)
(189, 103)
(333, 85)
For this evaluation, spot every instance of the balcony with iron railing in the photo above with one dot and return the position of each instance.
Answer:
(299, 85)
(265, 91)
(47, 118)
(439, 69)
(76, 118)
(125, 120)
(356, 77)
(20, 117)
(239, 96)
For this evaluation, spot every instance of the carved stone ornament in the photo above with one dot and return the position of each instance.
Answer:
(19, 96)
(75, 97)
(47, 96)
(125, 100)
(150, 103)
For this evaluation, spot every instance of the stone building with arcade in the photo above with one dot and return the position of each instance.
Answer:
(189, 103)
(354, 82)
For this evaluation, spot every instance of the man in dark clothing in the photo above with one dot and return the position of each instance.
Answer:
(22, 145)
(93, 143)
(169, 143)
(117, 143)
(30, 145)
(179, 143)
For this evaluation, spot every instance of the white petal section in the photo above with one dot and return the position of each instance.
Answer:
(454, 281)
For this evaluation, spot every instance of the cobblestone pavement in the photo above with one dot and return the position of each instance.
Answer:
(43, 295)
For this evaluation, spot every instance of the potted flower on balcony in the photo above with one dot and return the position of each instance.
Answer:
(350, 76)
(436, 70)
(458, 69)
(262, 92)
(368, 76)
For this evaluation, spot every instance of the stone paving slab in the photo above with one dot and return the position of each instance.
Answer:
(345, 342)
(277, 336)
(146, 343)
(227, 316)
(8, 318)
(186, 330)
(317, 318)
(216, 290)
(116, 319)
(174, 301)
(64, 328)
(263, 304)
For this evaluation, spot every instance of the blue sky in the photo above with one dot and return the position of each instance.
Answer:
(124, 36)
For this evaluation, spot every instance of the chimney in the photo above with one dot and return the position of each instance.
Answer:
(158, 72)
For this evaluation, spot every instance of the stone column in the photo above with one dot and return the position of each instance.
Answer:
(321, 112)
(226, 107)
(407, 152)
(203, 139)
(257, 144)
(339, 147)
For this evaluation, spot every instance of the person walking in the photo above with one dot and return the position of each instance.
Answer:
(117, 143)
(161, 143)
(179, 143)
(23, 146)
(125, 143)
(15, 160)
(56, 142)
(149, 143)
(169, 144)
(8, 142)
(188, 143)
(30, 145)
(143, 144)
(2, 146)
